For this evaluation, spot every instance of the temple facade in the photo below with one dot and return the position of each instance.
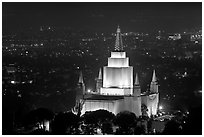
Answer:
(116, 90)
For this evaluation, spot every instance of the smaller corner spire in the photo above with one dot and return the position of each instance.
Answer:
(81, 78)
(100, 74)
(154, 79)
(136, 80)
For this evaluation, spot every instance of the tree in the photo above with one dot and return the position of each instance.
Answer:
(78, 107)
(139, 130)
(98, 119)
(39, 132)
(103, 115)
(172, 127)
(107, 128)
(144, 110)
(65, 123)
(7, 122)
(125, 120)
(39, 116)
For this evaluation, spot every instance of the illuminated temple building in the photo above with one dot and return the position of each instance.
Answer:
(116, 90)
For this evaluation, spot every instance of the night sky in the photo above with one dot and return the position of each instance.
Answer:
(142, 17)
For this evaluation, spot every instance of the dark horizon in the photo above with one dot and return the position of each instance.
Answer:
(103, 16)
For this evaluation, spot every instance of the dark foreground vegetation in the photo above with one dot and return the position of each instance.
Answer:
(44, 122)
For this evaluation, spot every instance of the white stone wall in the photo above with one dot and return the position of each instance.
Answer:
(132, 104)
(154, 87)
(116, 91)
(118, 54)
(151, 101)
(118, 73)
(93, 105)
(118, 62)
(118, 77)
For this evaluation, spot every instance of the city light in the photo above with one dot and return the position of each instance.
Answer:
(160, 107)
(13, 82)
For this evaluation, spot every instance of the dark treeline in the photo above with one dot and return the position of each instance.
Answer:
(43, 121)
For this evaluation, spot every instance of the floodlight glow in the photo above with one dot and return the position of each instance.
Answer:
(160, 107)
(13, 82)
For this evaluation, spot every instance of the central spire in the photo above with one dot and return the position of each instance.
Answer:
(118, 41)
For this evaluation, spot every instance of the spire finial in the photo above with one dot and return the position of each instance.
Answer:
(81, 78)
(154, 79)
(118, 41)
(136, 80)
(100, 74)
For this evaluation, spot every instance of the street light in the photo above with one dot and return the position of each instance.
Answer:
(160, 107)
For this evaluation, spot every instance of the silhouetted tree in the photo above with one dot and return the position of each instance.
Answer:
(144, 110)
(149, 124)
(98, 119)
(91, 122)
(65, 123)
(139, 130)
(125, 120)
(107, 127)
(39, 132)
(172, 128)
(78, 107)
(89, 118)
(7, 122)
(39, 116)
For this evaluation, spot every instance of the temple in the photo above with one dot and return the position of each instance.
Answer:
(118, 75)
(115, 90)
